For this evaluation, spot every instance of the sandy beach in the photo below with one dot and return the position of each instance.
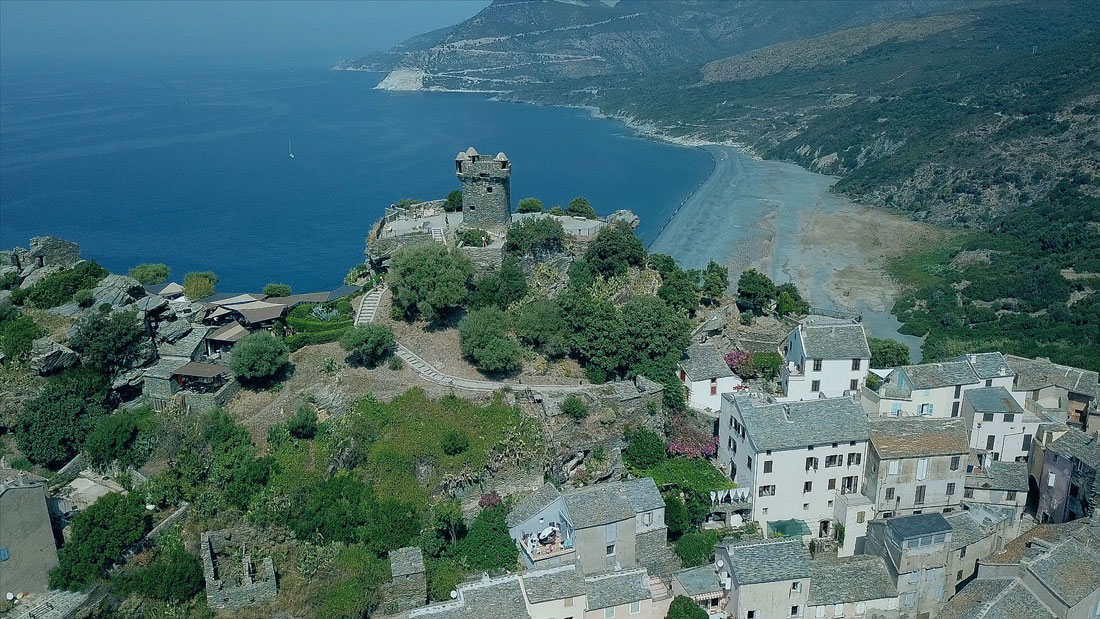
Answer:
(782, 220)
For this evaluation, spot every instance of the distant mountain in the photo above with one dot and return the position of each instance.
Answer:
(515, 42)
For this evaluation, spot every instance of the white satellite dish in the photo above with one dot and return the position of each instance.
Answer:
(10, 596)
(454, 594)
(719, 563)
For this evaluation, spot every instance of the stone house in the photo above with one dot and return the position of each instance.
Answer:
(1049, 571)
(408, 586)
(916, 550)
(796, 457)
(999, 428)
(857, 586)
(1068, 487)
(598, 527)
(768, 577)
(824, 357)
(936, 389)
(1001, 485)
(916, 465)
(705, 376)
(27, 548)
(1058, 386)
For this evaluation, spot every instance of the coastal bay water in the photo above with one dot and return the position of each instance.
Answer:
(193, 169)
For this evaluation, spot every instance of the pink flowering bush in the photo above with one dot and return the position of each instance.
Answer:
(687, 441)
(741, 363)
(489, 500)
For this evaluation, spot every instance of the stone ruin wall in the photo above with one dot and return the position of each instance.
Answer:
(229, 596)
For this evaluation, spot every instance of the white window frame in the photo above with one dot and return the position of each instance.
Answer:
(609, 613)
(635, 608)
(893, 467)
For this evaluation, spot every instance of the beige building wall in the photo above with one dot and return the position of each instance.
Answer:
(591, 544)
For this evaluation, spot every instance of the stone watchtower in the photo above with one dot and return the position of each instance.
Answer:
(486, 189)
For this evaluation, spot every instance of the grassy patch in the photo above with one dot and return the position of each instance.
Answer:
(688, 473)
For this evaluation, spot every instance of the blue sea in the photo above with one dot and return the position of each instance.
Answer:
(191, 168)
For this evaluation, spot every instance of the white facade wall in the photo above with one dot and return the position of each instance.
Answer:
(799, 376)
(884, 607)
(772, 600)
(1011, 441)
(649, 521)
(700, 394)
(936, 402)
(892, 484)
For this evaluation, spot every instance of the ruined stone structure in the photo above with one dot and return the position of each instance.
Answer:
(232, 578)
(486, 189)
(409, 587)
(45, 251)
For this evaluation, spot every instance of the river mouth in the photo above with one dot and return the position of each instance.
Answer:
(783, 220)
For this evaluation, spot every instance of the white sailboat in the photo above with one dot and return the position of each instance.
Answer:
(290, 149)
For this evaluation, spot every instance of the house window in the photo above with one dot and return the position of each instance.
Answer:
(609, 613)
(832, 484)
(919, 498)
(811, 463)
(4, 554)
(1010, 417)
(647, 518)
(794, 611)
(990, 441)
(817, 365)
(750, 614)
(1027, 442)
(950, 489)
(767, 466)
(832, 460)
(819, 612)
(987, 417)
(861, 608)
(815, 386)
(893, 468)
(807, 487)
(732, 445)
(989, 382)
(488, 189)
(954, 463)
(748, 463)
(635, 608)
(889, 494)
(926, 409)
(958, 391)
(853, 384)
(854, 459)
(1011, 495)
(683, 376)
(962, 552)
(860, 517)
(766, 491)
(922, 469)
(796, 586)
(968, 493)
(954, 409)
(838, 610)
(849, 485)
(568, 601)
(611, 550)
(714, 386)
(959, 575)
(855, 364)
(1050, 480)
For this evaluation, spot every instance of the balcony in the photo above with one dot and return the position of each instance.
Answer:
(555, 545)
(792, 371)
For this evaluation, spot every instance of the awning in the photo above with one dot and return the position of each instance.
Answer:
(788, 528)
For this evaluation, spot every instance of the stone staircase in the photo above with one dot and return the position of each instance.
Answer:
(369, 306)
(437, 236)
(659, 589)
(52, 605)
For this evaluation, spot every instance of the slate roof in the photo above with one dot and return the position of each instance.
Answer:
(643, 495)
(1071, 569)
(992, 400)
(405, 561)
(834, 341)
(994, 599)
(314, 297)
(699, 580)
(965, 530)
(1000, 475)
(532, 504)
(849, 579)
(987, 364)
(164, 368)
(499, 598)
(946, 374)
(787, 425)
(198, 369)
(1077, 444)
(704, 362)
(185, 346)
(598, 505)
(1034, 374)
(768, 560)
(555, 583)
(917, 525)
(1023, 547)
(230, 332)
(614, 588)
(915, 437)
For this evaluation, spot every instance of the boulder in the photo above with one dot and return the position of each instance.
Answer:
(7, 269)
(118, 290)
(5, 296)
(152, 304)
(32, 274)
(69, 310)
(627, 217)
(327, 398)
(47, 356)
(129, 379)
(173, 330)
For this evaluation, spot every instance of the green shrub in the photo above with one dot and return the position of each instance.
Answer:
(580, 207)
(174, 575)
(541, 326)
(111, 342)
(500, 289)
(575, 408)
(199, 284)
(473, 237)
(644, 449)
(151, 274)
(488, 546)
(557, 210)
(83, 298)
(676, 516)
(428, 281)
(529, 205)
(396, 363)
(9, 280)
(755, 290)
(683, 607)
(258, 358)
(53, 425)
(17, 333)
(444, 576)
(126, 437)
(303, 424)
(100, 534)
(453, 202)
(535, 236)
(614, 249)
(58, 288)
(277, 290)
(484, 339)
(368, 345)
(887, 353)
(454, 442)
(312, 338)
(767, 363)
(696, 548)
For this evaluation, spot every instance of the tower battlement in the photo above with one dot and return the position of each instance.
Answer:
(486, 189)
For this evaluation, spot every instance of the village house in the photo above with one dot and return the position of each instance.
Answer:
(706, 585)
(597, 527)
(169, 290)
(769, 578)
(1002, 485)
(1049, 571)
(705, 376)
(1058, 386)
(221, 340)
(1068, 487)
(915, 549)
(796, 457)
(916, 465)
(935, 389)
(851, 587)
(27, 548)
(824, 358)
(1000, 429)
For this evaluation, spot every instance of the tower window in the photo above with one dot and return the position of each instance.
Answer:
(488, 189)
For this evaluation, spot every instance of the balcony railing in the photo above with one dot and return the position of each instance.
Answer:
(538, 551)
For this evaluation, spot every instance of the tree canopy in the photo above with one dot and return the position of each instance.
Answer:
(151, 274)
(580, 207)
(500, 289)
(485, 340)
(277, 290)
(614, 249)
(258, 358)
(112, 341)
(369, 344)
(428, 281)
(715, 281)
(199, 284)
(755, 289)
(529, 205)
(535, 236)
(541, 326)
(53, 425)
(453, 202)
(683, 607)
(887, 353)
(100, 533)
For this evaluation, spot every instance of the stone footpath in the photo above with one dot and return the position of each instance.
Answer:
(368, 306)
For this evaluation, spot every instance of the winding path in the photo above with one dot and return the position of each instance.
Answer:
(368, 309)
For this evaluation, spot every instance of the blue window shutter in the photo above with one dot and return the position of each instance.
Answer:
(4, 554)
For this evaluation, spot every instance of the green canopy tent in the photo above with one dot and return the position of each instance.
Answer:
(788, 528)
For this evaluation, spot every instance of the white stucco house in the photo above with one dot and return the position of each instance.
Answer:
(935, 389)
(1000, 429)
(916, 465)
(705, 376)
(796, 458)
(824, 358)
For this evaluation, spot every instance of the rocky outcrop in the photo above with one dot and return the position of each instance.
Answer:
(626, 217)
(118, 291)
(32, 275)
(48, 357)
